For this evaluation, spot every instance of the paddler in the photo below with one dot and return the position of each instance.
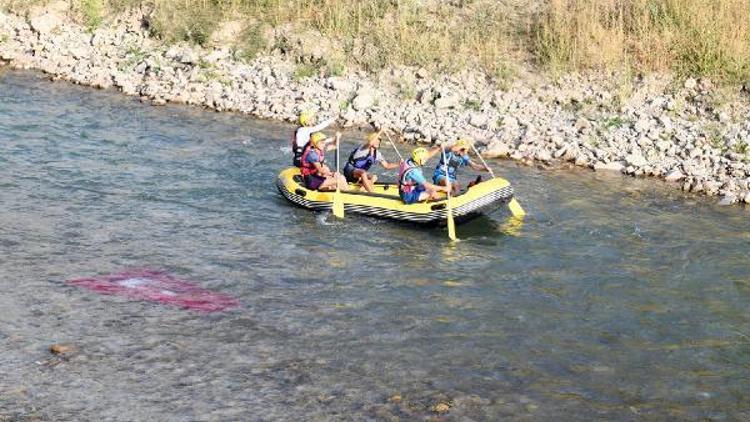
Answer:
(412, 185)
(301, 136)
(315, 173)
(362, 158)
(457, 156)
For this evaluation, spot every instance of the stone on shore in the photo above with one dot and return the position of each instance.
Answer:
(45, 23)
(636, 160)
(365, 99)
(674, 176)
(497, 149)
(611, 166)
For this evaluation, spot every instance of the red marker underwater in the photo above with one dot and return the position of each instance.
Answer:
(158, 286)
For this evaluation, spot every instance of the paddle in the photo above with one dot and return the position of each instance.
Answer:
(513, 205)
(451, 223)
(338, 205)
(394, 146)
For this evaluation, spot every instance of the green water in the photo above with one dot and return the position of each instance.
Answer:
(617, 299)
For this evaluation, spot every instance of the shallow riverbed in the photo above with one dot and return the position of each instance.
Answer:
(616, 299)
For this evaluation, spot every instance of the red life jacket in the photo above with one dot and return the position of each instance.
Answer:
(308, 168)
(403, 169)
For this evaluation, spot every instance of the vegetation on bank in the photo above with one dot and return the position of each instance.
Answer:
(688, 37)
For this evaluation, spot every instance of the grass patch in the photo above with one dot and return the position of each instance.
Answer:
(688, 37)
(615, 122)
(473, 104)
(305, 70)
(92, 12)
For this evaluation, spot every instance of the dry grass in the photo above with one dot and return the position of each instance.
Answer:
(688, 37)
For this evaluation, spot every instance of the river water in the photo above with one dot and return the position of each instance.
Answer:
(616, 299)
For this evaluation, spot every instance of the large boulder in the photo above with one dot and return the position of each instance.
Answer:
(45, 23)
(497, 149)
(611, 166)
(365, 99)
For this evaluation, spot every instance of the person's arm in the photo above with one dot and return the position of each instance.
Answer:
(322, 125)
(331, 142)
(322, 170)
(388, 166)
(419, 178)
(434, 151)
(430, 187)
(478, 167)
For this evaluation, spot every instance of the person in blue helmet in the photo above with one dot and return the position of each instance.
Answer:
(456, 157)
(412, 185)
(362, 158)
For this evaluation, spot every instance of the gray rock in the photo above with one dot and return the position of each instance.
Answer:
(747, 198)
(543, 155)
(674, 176)
(45, 23)
(643, 125)
(478, 120)
(728, 199)
(364, 100)
(425, 96)
(690, 83)
(636, 160)
(497, 149)
(447, 100)
(582, 125)
(340, 85)
(612, 166)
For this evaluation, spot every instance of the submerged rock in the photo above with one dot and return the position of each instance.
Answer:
(63, 349)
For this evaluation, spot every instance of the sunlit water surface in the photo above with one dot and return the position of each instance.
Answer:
(617, 299)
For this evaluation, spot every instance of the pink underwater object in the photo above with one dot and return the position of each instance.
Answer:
(157, 286)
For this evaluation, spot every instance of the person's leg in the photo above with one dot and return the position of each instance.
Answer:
(343, 184)
(367, 182)
(361, 177)
(432, 196)
(328, 184)
(312, 182)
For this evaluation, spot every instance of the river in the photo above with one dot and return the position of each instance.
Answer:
(616, 299)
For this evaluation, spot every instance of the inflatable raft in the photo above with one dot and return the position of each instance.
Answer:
(385, 202)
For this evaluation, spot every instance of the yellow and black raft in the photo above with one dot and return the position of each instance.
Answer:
(385, 202)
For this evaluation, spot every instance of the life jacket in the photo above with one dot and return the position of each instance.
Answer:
(365, 162)
(453, 163)
(298, 150)
(404, 168)
(308, 168)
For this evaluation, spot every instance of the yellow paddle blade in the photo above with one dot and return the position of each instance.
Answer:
(451, 223)
(515, 208)
(338, 206)
(451, 226)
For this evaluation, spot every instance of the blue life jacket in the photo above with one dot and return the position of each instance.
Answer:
(363, 163)
(454, 161)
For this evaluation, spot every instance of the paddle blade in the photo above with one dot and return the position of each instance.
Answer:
(515, 208)
(451, 225)
(338, 206)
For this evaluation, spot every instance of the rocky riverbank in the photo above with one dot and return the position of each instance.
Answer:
(692, 133)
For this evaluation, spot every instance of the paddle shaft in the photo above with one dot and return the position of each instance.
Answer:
(449, 217)
(482, 159)
(394, 146)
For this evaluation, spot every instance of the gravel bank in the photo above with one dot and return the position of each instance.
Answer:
(692, 134)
